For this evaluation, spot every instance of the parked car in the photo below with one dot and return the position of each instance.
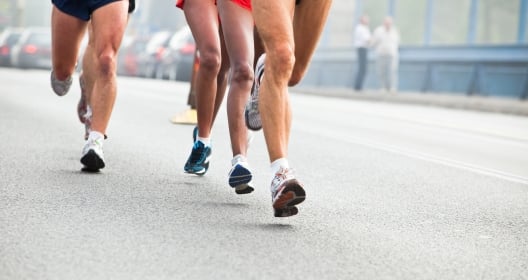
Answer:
(151, 59)
(178, 58)
(33, 49)
(129, 55)
(8, 39)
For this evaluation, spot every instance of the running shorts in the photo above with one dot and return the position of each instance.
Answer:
(83, 9)
(243, 3)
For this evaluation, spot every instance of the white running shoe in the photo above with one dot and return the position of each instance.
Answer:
(92, 155)
(286, 192)
(251, 112)
(60, 87)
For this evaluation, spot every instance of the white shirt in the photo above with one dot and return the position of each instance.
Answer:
(361, 36)
(386, 41)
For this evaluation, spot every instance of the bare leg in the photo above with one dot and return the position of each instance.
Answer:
(237, 23)
(277, 37)
(205, 33)
(221, 80)
(67, 34)
(109, 24)
(308, 23)
(88, 66)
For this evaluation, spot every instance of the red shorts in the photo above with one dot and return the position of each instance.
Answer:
(246, 4)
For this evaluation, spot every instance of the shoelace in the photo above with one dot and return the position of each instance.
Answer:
(282, 175)
(197, 153)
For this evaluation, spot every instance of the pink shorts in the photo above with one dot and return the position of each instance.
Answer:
(246, 4)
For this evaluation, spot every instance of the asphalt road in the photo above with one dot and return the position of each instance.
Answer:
(394, 191)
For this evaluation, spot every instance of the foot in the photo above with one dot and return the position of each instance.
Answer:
(198, 161)
(92, 155)
(60, 87)
(240, 177)
(251, 112)
(286, 192)
(84, 111)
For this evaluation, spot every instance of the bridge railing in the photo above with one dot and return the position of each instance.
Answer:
(500, 71)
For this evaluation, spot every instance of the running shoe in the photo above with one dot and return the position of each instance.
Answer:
(240, 177)
(286, 212)
(195, 133)
(92, 155)
(60, 87)
(251, 112)
(286, 192)
(198, 161)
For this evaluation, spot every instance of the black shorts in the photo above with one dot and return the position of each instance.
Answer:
(131, 6)
(83, 9)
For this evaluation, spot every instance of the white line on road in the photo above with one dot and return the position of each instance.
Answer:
(424, 156)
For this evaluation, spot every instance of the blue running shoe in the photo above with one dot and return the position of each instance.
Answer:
(198, 161)
(240, 178)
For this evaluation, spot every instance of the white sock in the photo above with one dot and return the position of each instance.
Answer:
(277, 164)
(238, 158)
(94, 135)
(205, 141)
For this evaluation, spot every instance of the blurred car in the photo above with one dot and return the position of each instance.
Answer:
(129, 55)
(178, 58)
(8, 39)
(33, 49)
(151, 58)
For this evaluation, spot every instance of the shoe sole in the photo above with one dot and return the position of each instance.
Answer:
(248, 122)
(239, 179)
(291, 195)
(201, 172)
(244, 189)
(286, 212)
(92, 162)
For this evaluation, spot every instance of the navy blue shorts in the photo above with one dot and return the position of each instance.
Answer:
(83, 9)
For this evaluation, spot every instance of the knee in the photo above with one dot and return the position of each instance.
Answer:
(107, 63)
(282, 60)
(210, 61)
(242, 74)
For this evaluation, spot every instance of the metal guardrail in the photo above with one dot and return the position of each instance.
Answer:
(500, 71)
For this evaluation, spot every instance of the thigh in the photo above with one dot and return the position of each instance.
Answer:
(273, 20)
(202, 17)
(237, 27)
(108, 26)
(308, 23)
(67, 34)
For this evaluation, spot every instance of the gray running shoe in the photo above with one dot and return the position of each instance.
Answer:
(60, 87)
(251, 112)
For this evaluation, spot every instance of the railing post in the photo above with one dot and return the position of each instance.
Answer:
(473, 16)
(429, 22)
(523, 14)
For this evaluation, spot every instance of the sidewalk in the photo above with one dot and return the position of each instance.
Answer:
(447, 100)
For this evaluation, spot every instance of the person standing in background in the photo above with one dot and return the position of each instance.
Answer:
(362, 37)
(386, 40)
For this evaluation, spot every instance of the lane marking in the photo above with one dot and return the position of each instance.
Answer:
(424, 156)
